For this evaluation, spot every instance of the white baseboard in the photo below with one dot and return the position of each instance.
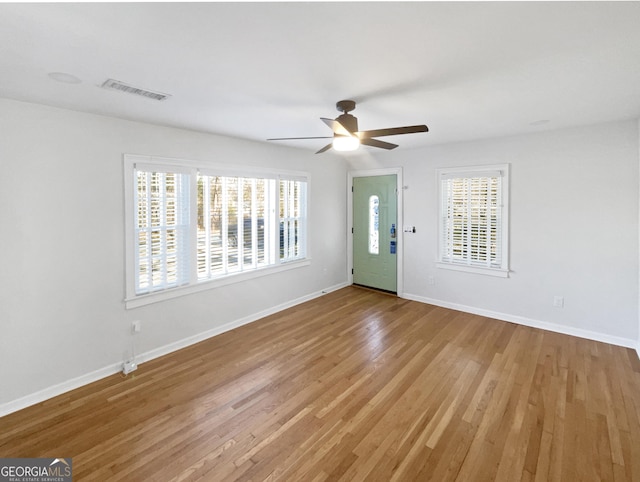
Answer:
(60, 388)
(544, 325)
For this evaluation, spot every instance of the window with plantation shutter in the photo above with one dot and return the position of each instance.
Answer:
(192, 227)
(473, 219)
(293, 222)
(162, 230)
(234, 228)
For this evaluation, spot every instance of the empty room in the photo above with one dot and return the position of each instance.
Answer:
(306, 241)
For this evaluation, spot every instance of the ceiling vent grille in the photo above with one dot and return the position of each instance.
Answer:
(129, 89)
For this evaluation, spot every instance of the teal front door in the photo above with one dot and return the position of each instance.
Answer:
(375, 230)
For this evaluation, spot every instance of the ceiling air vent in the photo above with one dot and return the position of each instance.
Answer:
(122, 87)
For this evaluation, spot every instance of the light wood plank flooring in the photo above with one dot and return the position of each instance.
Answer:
(355, 385)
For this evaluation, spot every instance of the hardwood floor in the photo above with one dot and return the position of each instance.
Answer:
(355, 385)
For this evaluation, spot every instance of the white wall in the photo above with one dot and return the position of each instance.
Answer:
(573, 229)
(62, 315)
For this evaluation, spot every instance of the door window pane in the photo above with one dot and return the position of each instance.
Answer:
(374, 224)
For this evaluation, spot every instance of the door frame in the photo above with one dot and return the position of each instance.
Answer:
(399, 221)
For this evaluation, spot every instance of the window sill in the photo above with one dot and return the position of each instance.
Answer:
(142, 300)
(498, 272)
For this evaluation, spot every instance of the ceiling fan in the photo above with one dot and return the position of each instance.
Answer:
(347, 137)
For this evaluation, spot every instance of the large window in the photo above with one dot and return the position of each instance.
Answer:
(190, 226)
(473, 219)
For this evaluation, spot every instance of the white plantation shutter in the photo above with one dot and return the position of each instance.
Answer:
(293, 219)
(234, 225)
(472, 218)
(161, 230)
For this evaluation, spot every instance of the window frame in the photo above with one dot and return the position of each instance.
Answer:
(193, 168)
(502, 268)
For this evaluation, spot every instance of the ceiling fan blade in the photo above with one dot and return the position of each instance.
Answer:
(377, 143)
(325, 148)
(336, 127)
(296, 138)
(392, 131)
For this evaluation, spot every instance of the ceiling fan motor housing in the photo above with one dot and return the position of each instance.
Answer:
(349, 122)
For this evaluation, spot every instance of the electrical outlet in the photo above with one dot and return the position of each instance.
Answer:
(558, 301)
(129, 366)
(136, 326)
(431, 280)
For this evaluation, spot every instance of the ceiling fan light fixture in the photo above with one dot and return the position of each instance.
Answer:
(347, 136)
(345, 143)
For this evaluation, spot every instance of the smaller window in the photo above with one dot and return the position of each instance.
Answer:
(374, 225)
(473, 219)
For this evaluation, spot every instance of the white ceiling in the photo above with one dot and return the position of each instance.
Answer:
(468, 70)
